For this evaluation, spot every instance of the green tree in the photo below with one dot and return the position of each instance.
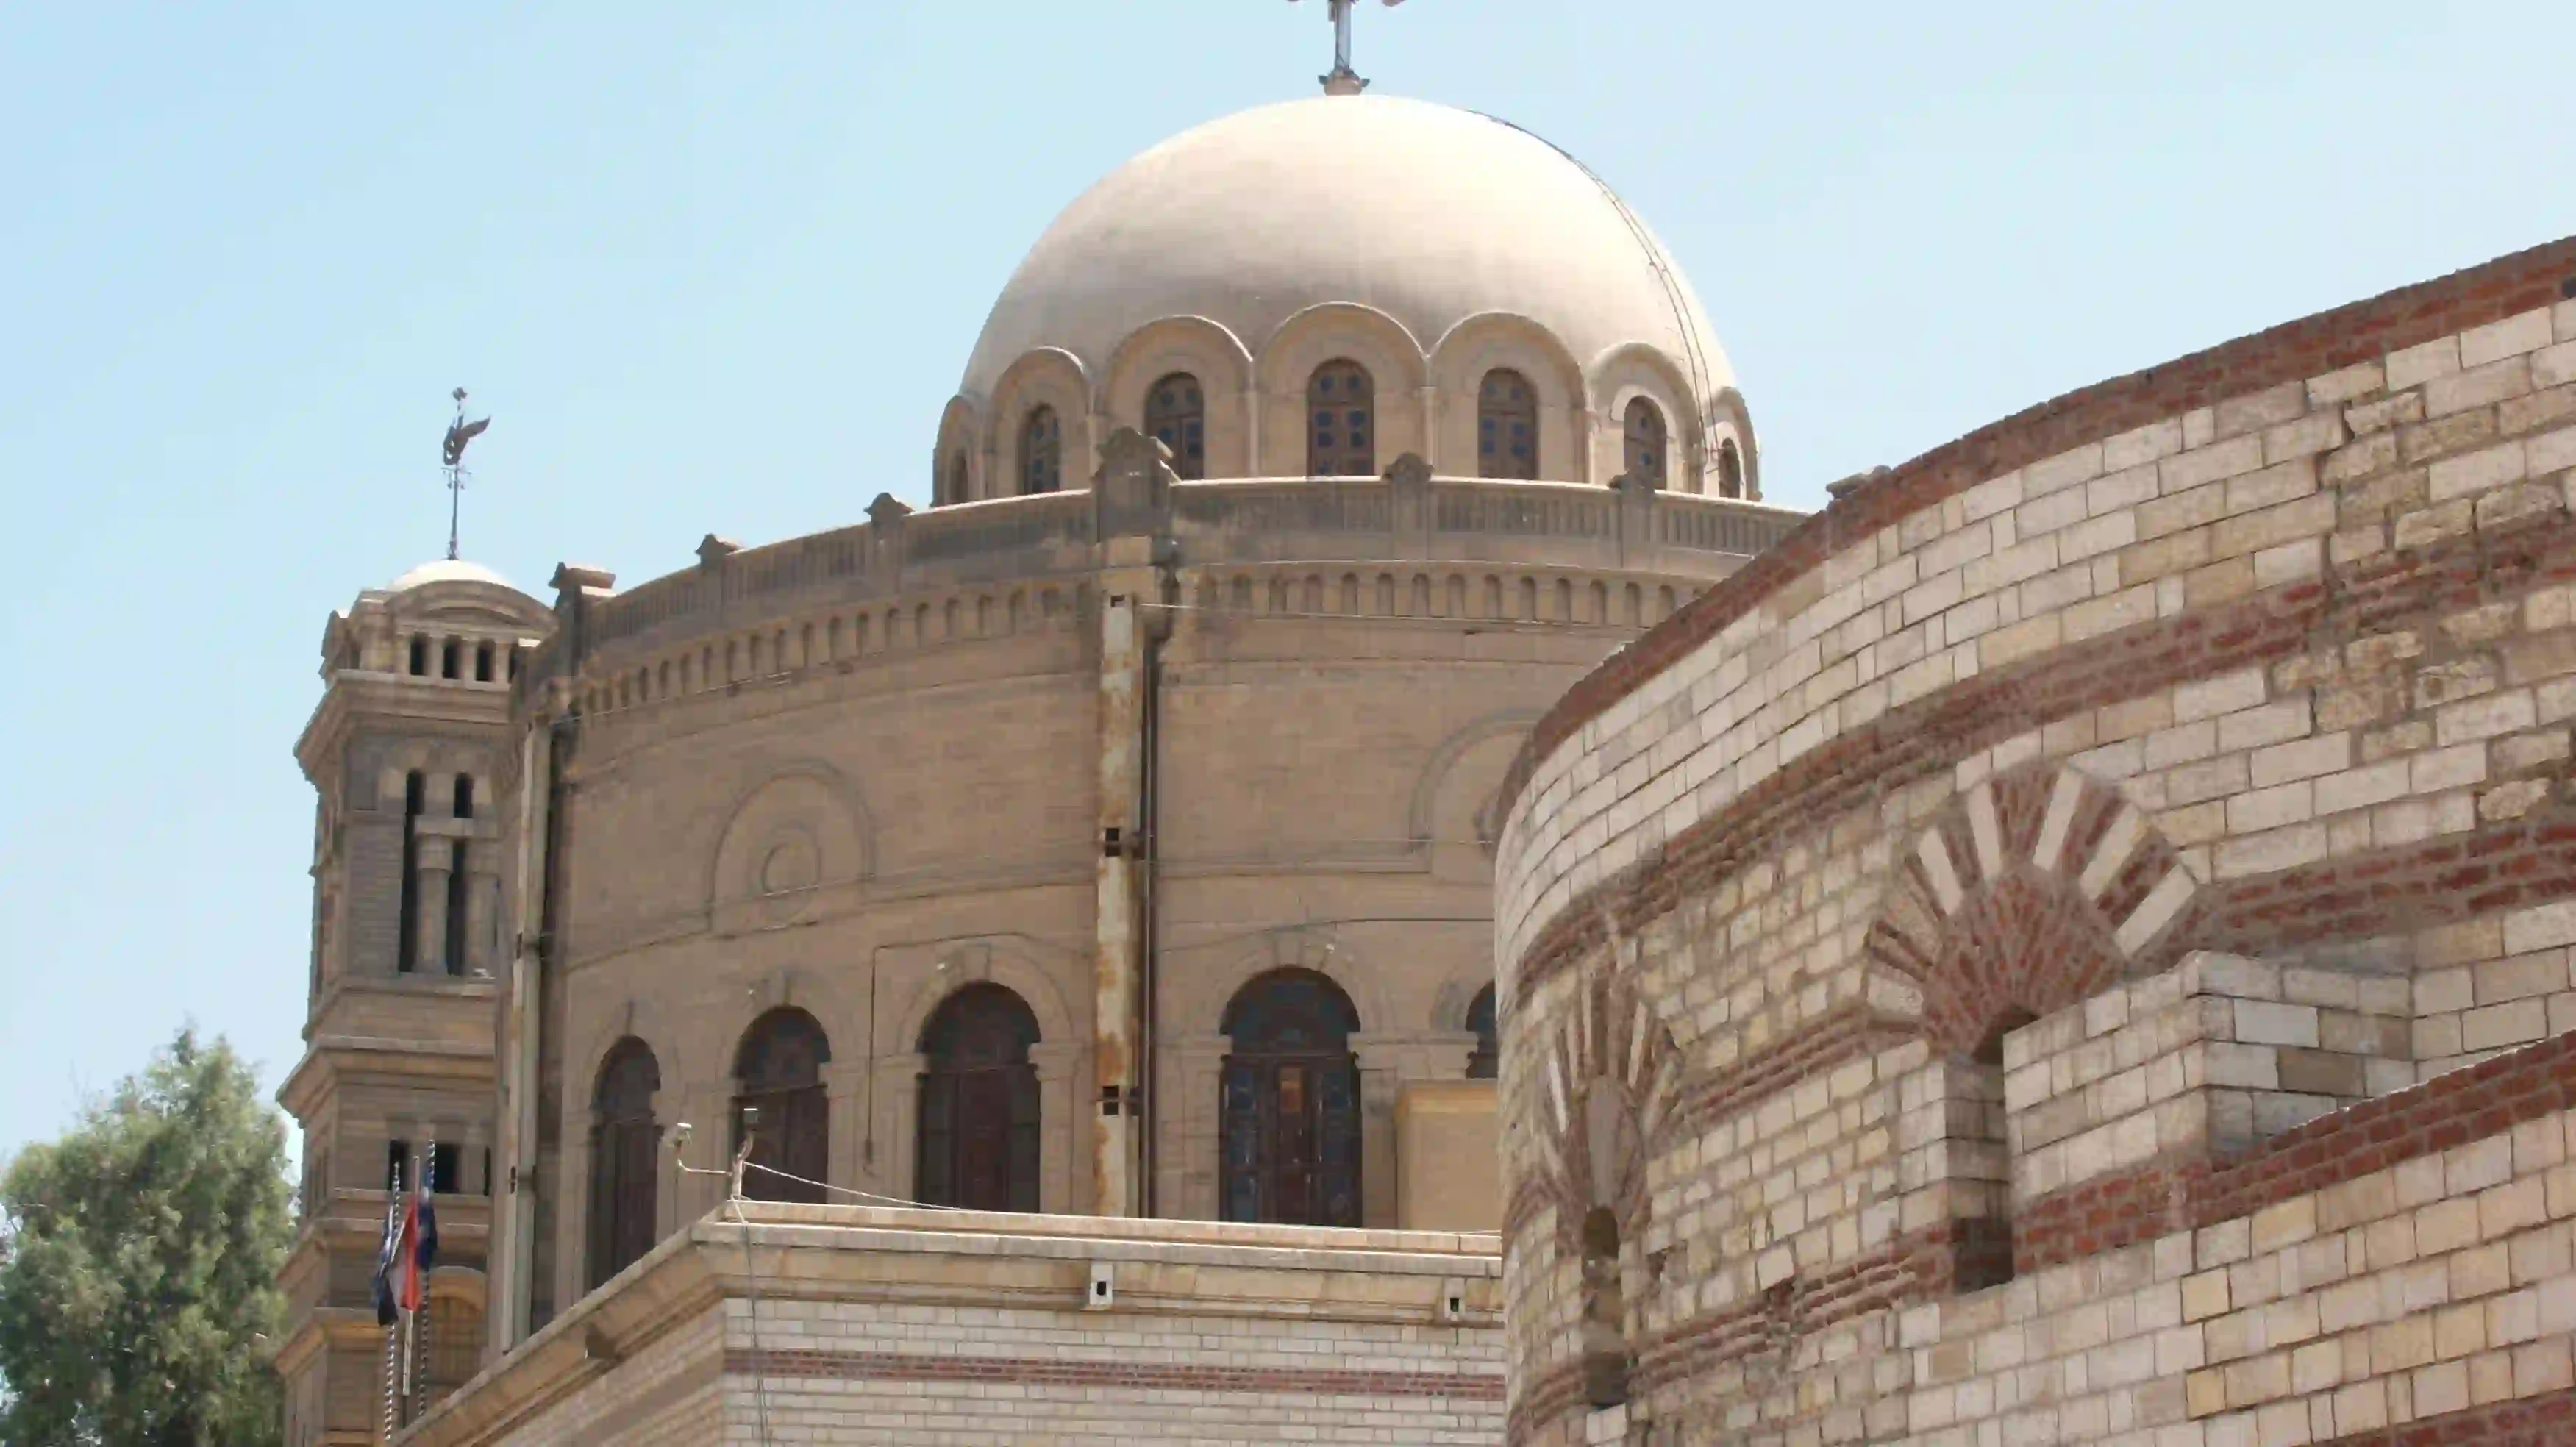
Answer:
(138, 1264)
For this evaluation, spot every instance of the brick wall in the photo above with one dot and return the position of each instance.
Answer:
(868, 1325)
(2201, 740)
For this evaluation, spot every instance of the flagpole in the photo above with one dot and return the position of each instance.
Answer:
(416, 1341)
(393, 1331)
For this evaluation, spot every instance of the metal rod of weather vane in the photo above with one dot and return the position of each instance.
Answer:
(393, 1330)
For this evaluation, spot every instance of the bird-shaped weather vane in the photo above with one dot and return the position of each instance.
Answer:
(459, 432)
(1343, 80)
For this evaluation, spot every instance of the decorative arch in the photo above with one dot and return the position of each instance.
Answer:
(2028, 893)
(1376, 341)
(1479, 345)
(974, 962)
(1046, 377)
(800, 839)
(1420, 814)
(1626, 372)
(1297, 948)
(1732, 421)
(1609, 1059)
(1200, 348)
(961, 430)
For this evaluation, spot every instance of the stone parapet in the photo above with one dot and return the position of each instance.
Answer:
(950, 1327)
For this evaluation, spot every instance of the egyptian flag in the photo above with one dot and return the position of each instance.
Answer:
(410, 1249)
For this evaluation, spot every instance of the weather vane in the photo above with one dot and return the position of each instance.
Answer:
(459, 432)
(1343, 80)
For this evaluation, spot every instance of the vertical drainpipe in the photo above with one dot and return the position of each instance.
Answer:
(519, 1066)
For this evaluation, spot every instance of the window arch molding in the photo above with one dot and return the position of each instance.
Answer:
(1624, 374)
(1480, 344)
(1057, 1055)
(960, 436)
(1047, 377)
(1397, 367)
(1199, 348)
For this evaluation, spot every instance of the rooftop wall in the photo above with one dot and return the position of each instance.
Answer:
(864, 1324)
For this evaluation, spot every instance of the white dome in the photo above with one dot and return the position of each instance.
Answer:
(446, 570)
(1429, 214)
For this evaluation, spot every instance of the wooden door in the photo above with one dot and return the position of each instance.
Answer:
(978, 1138)
(1291, 1147)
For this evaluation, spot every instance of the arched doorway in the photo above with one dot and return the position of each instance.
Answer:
(779, 1071)
(624, 1141)
(1289, 1148)
(978, 1135)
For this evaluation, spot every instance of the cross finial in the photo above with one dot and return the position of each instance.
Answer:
(1343, 80)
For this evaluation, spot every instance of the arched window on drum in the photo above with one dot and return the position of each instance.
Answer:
(1485, 1062)
(1289, 1120)
(1176, 416)
(1730, 469)
(1041, 452)
(778, 1071)
(1341, 417)
(977, 1142)
(1642, 452)
(624, 1143)
(1506, 426)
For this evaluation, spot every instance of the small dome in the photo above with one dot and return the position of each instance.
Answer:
(1429, 214)
(446, 570)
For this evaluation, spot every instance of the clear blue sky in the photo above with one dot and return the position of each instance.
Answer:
(716, 267)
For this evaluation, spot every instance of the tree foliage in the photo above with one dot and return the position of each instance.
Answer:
(138, 1264)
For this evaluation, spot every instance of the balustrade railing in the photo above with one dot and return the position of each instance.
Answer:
(1230, 521)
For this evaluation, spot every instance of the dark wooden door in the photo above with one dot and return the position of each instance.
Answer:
(978, 1137)
(1291, 1148)
(625, 1144)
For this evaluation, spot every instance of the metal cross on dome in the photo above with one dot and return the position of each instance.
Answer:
(1343, 80)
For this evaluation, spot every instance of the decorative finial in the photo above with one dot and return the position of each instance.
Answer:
(1343, 80)
(459, 432)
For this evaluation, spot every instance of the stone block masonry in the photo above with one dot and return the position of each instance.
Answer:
(880, 1325)
(2104, 892)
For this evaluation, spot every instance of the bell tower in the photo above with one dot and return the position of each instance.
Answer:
(406, 753)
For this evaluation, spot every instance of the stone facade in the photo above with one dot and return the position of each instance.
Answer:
(871, 1325)
(406, 754)
(2072, 944)
(1253, 557)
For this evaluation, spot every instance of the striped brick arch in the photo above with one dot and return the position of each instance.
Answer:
(2032, 890)
(1611, 1034)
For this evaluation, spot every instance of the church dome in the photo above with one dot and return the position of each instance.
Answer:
(1428, 214)
(445, 570)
